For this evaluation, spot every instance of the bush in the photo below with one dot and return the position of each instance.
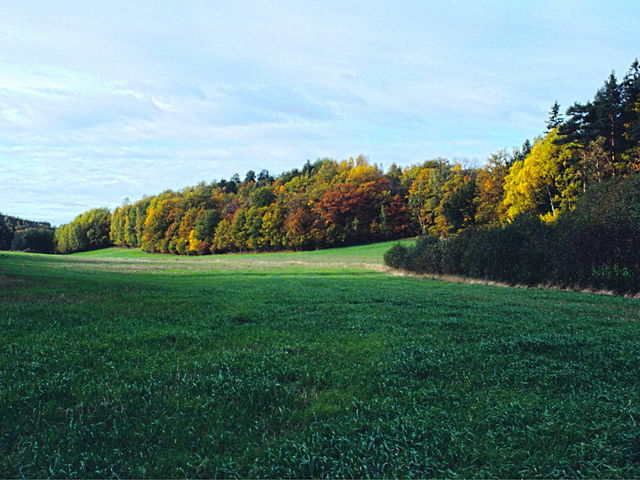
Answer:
(427, 255)
(396, 256)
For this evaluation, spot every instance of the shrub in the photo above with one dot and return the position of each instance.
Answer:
(396, 256)
(427, 255)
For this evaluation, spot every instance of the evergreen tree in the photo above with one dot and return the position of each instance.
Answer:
(250, 177)
(264, 178)
(394, 174)
(607, 105)
(555, 117)
(631, 117)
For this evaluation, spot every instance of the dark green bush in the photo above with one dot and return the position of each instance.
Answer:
(427, 255)
(396, 256)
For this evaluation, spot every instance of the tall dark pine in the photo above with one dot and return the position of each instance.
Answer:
(250, 177)
(579, 126)
(597, 126)
(519, 154)
(608, 114)
(631, 84)
(555, 117)
(394, 175)
(264, 178)
(631, 108)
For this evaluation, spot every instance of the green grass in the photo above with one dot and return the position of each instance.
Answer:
(121, 363)
(362, 255)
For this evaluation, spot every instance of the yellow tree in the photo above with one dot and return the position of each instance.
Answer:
(425, 193)
(544, 182)
(272, 232)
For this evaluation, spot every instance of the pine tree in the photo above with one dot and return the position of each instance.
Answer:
(631, 117)
(608, 114)
(555, 117)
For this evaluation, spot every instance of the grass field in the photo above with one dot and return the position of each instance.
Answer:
(119, 363)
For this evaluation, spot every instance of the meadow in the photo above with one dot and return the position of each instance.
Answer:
(117, 363)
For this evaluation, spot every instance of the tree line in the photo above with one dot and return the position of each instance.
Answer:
(326, 203)
(26, 235)
(596, 245)
(88, 231)
(331, 203)
(570, 208)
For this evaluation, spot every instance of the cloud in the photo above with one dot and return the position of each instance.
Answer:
(120, 99)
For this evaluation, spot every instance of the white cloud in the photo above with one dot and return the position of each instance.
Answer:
(118, 99)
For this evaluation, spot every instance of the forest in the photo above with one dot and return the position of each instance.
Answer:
(25, 235)
(570, 210)
(331, 203)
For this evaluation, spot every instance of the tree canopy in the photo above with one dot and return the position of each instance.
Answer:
(331, 203)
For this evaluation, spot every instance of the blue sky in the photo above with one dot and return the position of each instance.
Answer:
(104, 100)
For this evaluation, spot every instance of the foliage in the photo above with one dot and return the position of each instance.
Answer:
(87, 231)
(37, 240)
(596, 245)
(489, 209)
(324, 204)
(332, 203)
(9, 226)
(396, 256)
(541, 182)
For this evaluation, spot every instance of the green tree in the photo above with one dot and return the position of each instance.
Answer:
(490, 190)
(457, 208)
(88, 231)
(35, 240)
(425, 193)
(555, 117)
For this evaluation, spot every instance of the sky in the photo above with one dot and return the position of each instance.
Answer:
(106, 100)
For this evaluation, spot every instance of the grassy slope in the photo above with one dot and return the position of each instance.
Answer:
(306, 364)
(359, 255)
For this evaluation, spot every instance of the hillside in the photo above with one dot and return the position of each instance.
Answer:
(10, 226)
(330, 203)
(121, 363)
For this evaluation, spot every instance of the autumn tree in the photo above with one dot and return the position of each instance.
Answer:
(425, 193)
(457, 208)
(544, 182)
(490, 190)
(88, 231)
